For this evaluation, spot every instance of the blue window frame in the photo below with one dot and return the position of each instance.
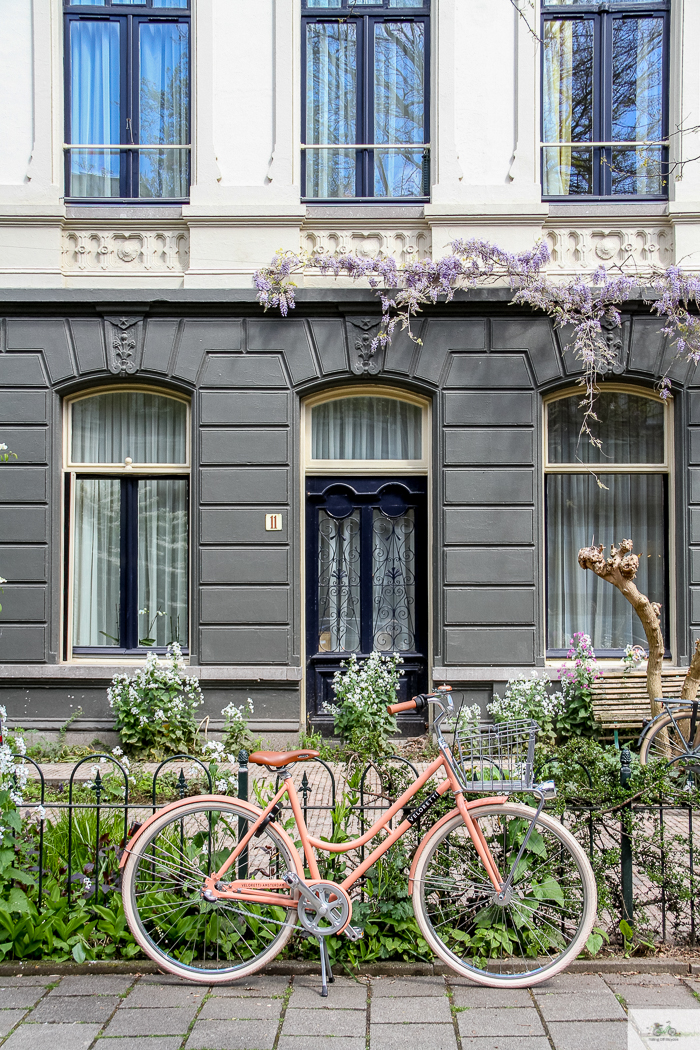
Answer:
(365, 105)
(604, 99)
(127, 105)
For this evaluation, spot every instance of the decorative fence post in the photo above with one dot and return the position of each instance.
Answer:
(626, 841)
(242, 822)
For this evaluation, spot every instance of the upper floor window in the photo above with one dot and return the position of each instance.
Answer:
(604, 98)
(602, 495)
(365, 99)
(127, 478)
(127, 99)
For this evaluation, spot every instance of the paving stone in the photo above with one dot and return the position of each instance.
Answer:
(226, 1008)
(507, 1042)
(353, 997)
(558, 1007)
(52, 1037)
(573, 982)
(324, 1022)
(411, 1011)
(673, 994)
(94, 984)
(8, 1020)
(648, 980)
(410, 1037)
(164, 995)
(320, 1042)
(165, 978)
(163, 1042)
(515, 1021)
(20, 981)
(20, 998)
(222, 1035)
(594, 1035)
(166, 1021)
(393, 986)
(71, 1008)
(475, 996)
(256, 986)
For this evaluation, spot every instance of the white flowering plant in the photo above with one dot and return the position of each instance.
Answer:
(362, 692)
(528, 698)
(237, 733)
(155, 710)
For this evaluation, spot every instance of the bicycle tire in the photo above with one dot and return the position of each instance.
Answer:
(670, 750)
(458, 914)
(161, 889)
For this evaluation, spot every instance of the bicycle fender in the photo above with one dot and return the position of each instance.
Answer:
(173, 806)
(443, 820)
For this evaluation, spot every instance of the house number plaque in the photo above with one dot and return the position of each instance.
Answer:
(273, 523)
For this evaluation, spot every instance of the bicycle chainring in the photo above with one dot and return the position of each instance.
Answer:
(332, 913)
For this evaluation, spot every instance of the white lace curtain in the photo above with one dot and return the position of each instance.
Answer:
(148, 428)
(366, 428)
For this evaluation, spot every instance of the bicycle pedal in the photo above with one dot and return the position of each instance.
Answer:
(354, 933)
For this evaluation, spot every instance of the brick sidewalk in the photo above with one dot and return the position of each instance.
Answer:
(114, 1012)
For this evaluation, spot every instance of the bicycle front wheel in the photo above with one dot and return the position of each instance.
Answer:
(668, 740)
(185, 935)
(546, 917)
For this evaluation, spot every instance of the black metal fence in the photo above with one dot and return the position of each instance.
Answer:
(644, 855)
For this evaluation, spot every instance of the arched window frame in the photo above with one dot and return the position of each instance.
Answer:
(71, 471)
(664, 468)
(366, 466)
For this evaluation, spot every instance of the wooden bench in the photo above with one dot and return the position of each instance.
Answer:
(621, 701)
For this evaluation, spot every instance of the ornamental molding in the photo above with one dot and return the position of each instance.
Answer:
(126, 251)
(364, 360)
(404, 244)
(574, 249)
(123, 342)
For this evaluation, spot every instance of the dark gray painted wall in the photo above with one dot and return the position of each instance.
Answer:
(246, 375)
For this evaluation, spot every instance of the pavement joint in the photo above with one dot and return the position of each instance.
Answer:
(544, 1024)
(287, 995)
(454, 1010)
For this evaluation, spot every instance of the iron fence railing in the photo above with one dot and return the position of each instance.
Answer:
(650, 878)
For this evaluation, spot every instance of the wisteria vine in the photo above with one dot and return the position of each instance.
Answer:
(585, 303)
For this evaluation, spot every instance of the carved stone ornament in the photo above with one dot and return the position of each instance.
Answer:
(615, 340)
(364, 359)
(122, 343)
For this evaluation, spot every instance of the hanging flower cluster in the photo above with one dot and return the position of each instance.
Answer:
(583, 304)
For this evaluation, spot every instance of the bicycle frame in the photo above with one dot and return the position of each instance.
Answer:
(250, 889)
(670, 706)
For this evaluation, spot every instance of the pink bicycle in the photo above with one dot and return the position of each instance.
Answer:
(214, 887)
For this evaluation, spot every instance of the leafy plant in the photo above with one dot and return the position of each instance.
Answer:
(528, 698)
(362, 692)
(575, 717)
(155, 710)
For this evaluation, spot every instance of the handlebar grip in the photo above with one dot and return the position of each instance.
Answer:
(407, 705)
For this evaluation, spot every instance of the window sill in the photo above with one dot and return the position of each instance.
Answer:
(124, 211)
(579, 209)
(101, 670)
(363, 210)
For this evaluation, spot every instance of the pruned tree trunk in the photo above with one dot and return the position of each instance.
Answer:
(692, 679)
(619, 570)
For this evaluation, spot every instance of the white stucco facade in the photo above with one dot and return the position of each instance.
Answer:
(245, 194)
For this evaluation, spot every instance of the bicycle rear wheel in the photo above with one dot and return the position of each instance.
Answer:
(670, 743)
(185, 935)
(541, 926)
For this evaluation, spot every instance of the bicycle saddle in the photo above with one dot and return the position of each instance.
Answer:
(280, 758)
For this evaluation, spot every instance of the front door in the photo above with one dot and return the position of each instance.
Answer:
(366, 582)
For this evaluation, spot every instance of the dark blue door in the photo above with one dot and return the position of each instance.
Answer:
(366, 581)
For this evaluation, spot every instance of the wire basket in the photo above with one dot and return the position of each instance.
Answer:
(496, 758)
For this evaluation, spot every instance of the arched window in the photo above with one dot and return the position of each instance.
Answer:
(602, 495)
(366, 426)
(127, 467)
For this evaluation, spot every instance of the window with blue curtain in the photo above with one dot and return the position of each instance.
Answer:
(605, 99)
(365, 99)
(600, 495)
(127, 99)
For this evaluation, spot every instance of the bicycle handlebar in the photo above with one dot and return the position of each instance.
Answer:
(419, 702)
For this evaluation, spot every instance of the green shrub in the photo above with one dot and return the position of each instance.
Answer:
(362, 692)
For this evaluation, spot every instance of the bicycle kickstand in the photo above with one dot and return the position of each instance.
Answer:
(326, 971)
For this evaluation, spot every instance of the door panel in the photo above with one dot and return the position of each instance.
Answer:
(366, 582)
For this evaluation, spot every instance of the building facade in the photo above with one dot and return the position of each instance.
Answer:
(267, 491)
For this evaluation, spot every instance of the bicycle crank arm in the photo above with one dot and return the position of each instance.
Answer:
(292, 880)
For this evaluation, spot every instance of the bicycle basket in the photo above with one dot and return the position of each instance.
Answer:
(496, 758)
